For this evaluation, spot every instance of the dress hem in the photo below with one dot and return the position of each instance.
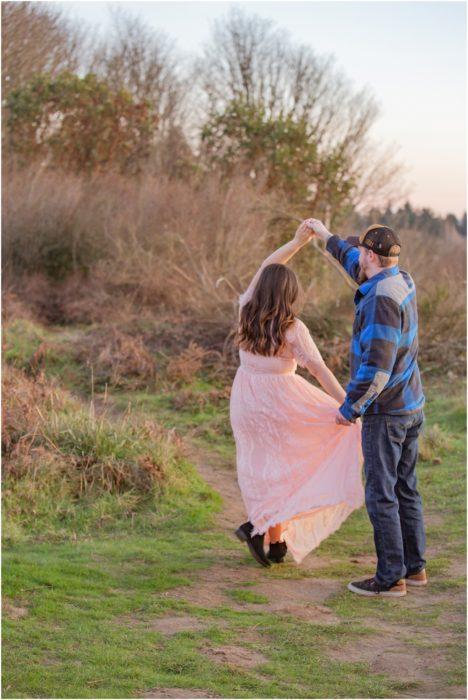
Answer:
(341, 515)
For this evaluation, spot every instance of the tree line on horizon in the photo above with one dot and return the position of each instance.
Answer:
(407, 217)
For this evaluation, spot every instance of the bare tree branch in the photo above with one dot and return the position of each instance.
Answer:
(36, 39)
(144, 62)
(248, 58)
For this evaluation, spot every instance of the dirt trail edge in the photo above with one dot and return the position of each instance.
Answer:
(406, 654)
(396, 651)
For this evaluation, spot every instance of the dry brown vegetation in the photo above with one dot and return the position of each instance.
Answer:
(118, 358)
(175, 254)
(154, 242)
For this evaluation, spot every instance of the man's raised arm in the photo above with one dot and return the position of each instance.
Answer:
(346, 254)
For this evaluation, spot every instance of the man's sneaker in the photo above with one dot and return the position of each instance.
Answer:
(277, 551)
(255, 543)
(419, 579)
(370, 587)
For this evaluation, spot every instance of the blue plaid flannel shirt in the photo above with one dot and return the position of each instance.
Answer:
(384, 348)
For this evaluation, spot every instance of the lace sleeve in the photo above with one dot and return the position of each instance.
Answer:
(304, 349)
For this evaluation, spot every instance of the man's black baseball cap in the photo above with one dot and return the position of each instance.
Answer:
(383, 240)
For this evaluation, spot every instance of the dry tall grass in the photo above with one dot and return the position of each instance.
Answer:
(155, 241)
(68, 469)
(115, 249)
(47, 434)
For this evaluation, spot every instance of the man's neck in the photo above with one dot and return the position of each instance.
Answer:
(377, 270)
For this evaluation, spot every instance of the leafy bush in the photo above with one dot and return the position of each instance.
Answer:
(280, 151)
(79, 124)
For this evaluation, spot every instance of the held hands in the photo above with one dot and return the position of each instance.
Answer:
(318, 228)
(311, 228)
(341, 420)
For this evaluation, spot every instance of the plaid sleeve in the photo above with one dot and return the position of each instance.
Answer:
(346, 254)
(379, 339)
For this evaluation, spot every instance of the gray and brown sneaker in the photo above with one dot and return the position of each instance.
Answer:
(370, 587)
(419, 579)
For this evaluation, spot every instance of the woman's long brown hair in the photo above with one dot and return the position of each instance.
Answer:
(269, 313)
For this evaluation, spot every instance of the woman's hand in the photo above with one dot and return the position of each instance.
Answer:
(341, 420)
(303, 234)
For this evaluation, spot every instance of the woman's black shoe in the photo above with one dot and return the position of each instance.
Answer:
(255, 543)
(277, 552)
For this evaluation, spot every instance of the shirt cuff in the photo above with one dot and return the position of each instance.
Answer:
(346, 411)
(332, 243)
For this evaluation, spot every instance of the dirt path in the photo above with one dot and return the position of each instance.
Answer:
(221, 476)
(398, 651)
(394, 650)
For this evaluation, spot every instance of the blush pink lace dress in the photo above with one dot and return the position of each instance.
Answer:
(295, 465)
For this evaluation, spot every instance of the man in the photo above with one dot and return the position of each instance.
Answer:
(385, 391)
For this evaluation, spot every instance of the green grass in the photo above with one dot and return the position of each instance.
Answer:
(242, 596)
(208, 423)
(28, 344)
(82, 585)
(78, 644)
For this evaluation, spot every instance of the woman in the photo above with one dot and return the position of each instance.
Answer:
(298, 471)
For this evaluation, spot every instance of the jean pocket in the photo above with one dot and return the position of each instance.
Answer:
(417, 425)
(396, 428)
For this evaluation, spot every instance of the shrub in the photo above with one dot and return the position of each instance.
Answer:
(117, 358)
(79, 123)
(185, 366)
(67, 469)
(432, 444)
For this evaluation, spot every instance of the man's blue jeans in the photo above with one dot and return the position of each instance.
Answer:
(390, 449)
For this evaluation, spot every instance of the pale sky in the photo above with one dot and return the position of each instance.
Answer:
(411, 54)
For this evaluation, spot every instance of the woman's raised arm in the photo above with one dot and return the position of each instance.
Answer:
(283, 254)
